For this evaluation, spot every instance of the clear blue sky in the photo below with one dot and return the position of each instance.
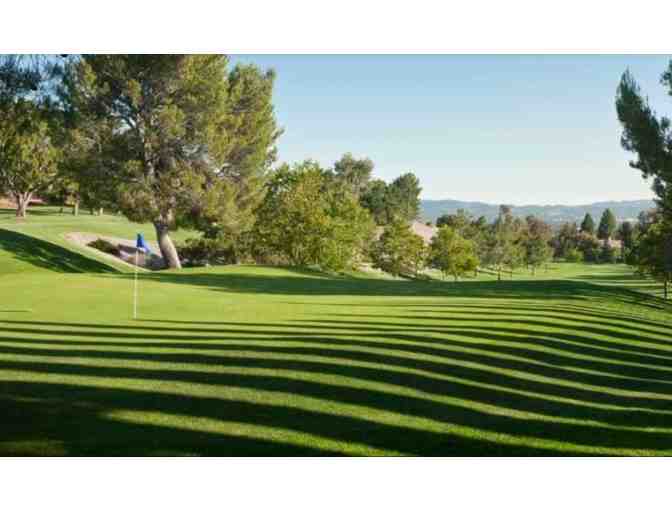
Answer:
(500, 129)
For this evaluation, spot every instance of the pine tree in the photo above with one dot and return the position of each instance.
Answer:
(354, 173)
(626, 234)
(607, 225)
(402, 199)
(190, 144)
(588, 225)
(535, 241)
(374, 200)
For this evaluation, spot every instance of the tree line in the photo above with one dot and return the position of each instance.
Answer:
(183, 141)
(186, 141)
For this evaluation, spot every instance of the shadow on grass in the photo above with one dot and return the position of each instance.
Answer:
(48, 255)
(76, 418)
(311, 283)
(33, 210)
(538, 395)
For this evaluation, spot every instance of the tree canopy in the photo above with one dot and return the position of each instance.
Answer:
(452, 254)
(188, 143)
(28, 157)
(588, 224)
(309, 219)
(607, 225)
(354, 173)
(399, 251)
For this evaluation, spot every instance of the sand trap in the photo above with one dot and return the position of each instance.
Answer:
(126, 249)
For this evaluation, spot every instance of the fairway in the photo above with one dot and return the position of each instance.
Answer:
(245, 360)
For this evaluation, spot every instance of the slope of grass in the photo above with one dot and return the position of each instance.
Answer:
(46, 224)
(246, 360)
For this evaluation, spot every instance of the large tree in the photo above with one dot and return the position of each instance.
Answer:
(354, 173)
(607, 225)
(403, 197)
(374, 199)
(250, 126)
(503, 243)
(460, 221)
(535, 240)
(648, 136)
(28, 157)
(654, 254)
(189, 142)
(452, 254)
(307, 218)
(626, 233)
(399, 251)
(588, 224)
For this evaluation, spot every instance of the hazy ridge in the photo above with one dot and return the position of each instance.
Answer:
(624, 210)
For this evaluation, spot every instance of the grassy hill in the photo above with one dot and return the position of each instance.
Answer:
(244, 360)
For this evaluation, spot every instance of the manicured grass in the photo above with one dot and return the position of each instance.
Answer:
(244, 360)
(50, 226)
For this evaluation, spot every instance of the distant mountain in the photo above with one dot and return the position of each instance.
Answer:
(554, 214)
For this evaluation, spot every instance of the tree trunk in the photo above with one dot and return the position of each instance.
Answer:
(166, 246)
(100, 211)
(75, 208)
(22, 201)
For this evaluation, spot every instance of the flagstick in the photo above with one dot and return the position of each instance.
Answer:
(135, 289)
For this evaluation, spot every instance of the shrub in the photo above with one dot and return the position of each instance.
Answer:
(399, 251)
(607, 254)
(202, 251)
(631, 258)
(574, 255)
(104, 246)
(590, 247)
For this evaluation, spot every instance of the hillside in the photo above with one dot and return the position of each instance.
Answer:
(554, 214)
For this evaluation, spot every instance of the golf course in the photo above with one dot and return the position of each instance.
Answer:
(261, 360)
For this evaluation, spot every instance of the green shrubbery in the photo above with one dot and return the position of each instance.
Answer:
(203, 251)
(607, 254)
(399, 251)
(310, 217)
(573, 255)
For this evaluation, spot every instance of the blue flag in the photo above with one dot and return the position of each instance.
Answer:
(141, 245)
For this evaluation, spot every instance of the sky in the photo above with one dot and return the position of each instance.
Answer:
(529, 129)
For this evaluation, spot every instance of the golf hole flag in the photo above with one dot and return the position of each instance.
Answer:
(140, 246)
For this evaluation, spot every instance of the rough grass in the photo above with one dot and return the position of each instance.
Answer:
(267, 361)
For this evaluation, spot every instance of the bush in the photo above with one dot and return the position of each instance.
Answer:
(399, 251)
(631, 258)
(607, 254)
(104, 246)
(574, 255)
(589, 247)
(202, 251)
